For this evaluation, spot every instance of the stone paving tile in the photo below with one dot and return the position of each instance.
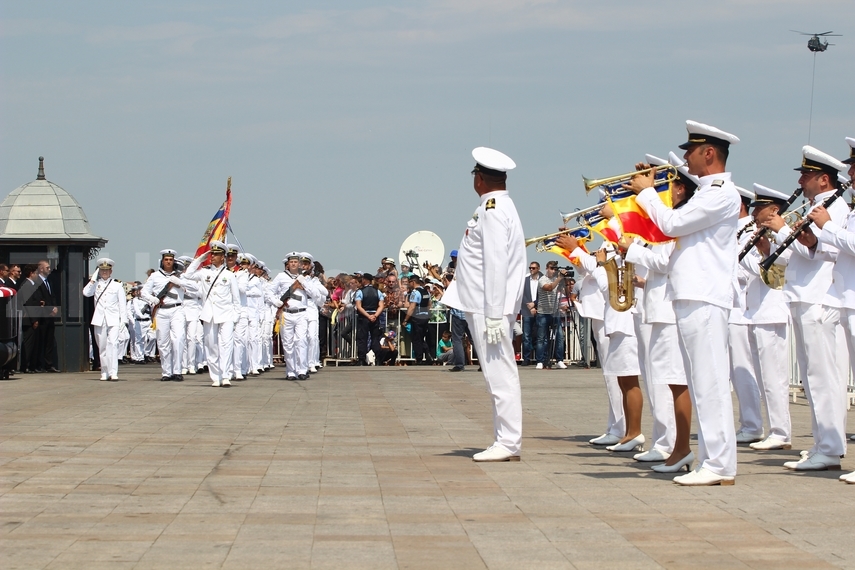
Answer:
(370, 468)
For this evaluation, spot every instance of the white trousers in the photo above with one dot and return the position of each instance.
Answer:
(703, 340)
(814, 327)
(314, 342)
(659, 397)
(617, 423)
(149, 339)
(108, 340)
(744, 379)
(170, 339)
(294, 332)
(124, 339)
(267, 342)
(503, 381)
(240, 362)
(194, 346)
(219, 345)
(138, 340)
(254, 349)
(768, 346)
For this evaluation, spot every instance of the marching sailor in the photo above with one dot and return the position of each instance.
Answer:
(317, 295)
(108, 316)
(255, 307)
(164, 292)
(288, 292)
(241, 355)
(194, 356)
(220, 310)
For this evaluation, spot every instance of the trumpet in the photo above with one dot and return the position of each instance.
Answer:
(580, 232)
(576, 214)
(614, 184)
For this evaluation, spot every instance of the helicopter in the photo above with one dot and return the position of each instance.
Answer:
(815, 43)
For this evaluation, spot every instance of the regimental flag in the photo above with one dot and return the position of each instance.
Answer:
(635, 222)
(602, 228)
(217, 228)
(582, 236)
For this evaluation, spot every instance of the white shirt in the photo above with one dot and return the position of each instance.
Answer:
(219, 291)
(299, 298)
(737, 313)
(844, 268)
(810, 274)
(657, 308)
(703, 264)
(490, 260)
(109, 302)
(763, 305)
(590, 301)
(156, 283)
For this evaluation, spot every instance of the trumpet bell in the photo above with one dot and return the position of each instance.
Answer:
(614, 184)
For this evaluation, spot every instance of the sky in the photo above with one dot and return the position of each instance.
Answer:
(347, 126)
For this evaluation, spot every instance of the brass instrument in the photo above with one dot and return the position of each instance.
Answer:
(774, 276)
(540, 241)
(614, 184)
(621, 292)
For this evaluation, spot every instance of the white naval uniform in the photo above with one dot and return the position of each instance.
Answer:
(294, 328)
(700, 285)
(220, 312)
(662, 364)
(743, 375)
(108, 316)
(814, 296)
(194, 347)
(488, 282)
(169, 319)
(240, 363)
(142, 325)
(317, 297)
(268, 315)
(591, 304)
(255, 306)
(767, 339)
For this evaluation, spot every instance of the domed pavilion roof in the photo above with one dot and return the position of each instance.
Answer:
(42, 211)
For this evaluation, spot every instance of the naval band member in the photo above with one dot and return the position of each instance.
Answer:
(487, 286)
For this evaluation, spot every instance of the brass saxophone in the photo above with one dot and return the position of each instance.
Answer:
(621, 292)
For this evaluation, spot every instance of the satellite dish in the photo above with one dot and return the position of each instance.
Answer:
(421, 247)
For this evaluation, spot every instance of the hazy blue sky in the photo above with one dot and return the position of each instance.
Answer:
(345, 126)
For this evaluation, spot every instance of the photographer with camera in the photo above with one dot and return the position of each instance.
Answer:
(549, 331)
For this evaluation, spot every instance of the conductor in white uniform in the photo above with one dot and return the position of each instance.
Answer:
(109, 315)
(487, 286)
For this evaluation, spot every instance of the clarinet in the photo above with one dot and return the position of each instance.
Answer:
(761, 232)
(805, 224)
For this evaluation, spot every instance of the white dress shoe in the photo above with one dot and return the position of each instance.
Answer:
(561, 365)
(238, 376)
(635, 444)
(652, 455)
(191, 371)
(312, 370)
(605, 439)
(848, 478)
(539, 366)
(771, 443)
(852, 437)
(748, 437)
(495, 453)
(685, 462)
(183, 371)
(216, 384)
(226, 383)
(104, 377)
(814, 462)
(701, 477)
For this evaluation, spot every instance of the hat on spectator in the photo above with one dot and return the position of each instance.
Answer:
(699, 133)
(491, 161)
(105, 263)
(389, 260)
(168, 253)
(453, 253)
(765, 195)
(814, 160)
(217, 246)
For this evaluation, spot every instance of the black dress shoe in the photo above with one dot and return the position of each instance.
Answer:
(177, 378)
(290, 378)
(457, 369)
(52, 369)
(165, 378)
(302, 376)
(41, 370)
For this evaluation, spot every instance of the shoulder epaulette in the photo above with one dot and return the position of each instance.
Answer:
(491, 204)
(717, 183)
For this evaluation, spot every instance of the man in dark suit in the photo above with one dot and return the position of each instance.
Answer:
(30, 301)
(50, 302)
(528, 311)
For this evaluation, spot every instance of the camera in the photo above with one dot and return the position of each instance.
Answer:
(567, 271)
(412, 254)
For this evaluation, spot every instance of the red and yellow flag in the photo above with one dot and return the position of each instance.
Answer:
(217, 228)
(635, 222)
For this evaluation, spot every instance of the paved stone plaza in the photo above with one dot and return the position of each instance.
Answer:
(371, 468)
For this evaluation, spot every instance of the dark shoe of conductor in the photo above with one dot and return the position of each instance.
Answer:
(302, 376)
(456, 369)
(177, 378)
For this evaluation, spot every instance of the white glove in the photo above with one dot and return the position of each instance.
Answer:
(174, 280)
(95, 275)
(495, 330)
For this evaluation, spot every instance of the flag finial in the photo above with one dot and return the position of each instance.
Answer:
(41, 175)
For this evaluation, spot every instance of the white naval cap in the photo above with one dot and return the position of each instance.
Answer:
(252, 259)
(168, 253)
(745, 193)
(674, 159)
(681, 167)
(232, 248)
(765, 195)
(185, 259)
(217, 246)
(814, 160)
(105, 263)
(305, 256)
(490, 159)
(654, 160)
(290, 256)
(700, 133)
(851, 142)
